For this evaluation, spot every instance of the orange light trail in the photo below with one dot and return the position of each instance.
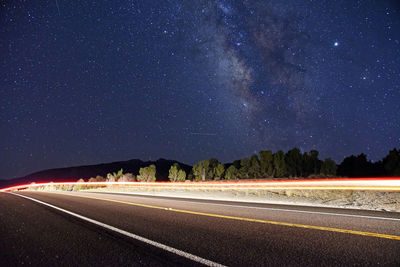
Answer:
(371, 184)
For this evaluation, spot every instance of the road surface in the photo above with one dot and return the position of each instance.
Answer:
(71, 228)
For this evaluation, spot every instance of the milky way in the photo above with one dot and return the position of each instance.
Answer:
(88, 82)
(259, 56)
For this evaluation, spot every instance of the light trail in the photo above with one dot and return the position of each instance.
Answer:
(370, 184)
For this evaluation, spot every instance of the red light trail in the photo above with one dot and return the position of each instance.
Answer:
(373, 184)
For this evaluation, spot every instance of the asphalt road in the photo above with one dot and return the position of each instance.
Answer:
(227, 233)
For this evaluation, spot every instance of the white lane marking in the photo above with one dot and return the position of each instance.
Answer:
(125, 233)
(264, 208)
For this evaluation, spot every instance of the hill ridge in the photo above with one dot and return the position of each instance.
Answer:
(73, 173)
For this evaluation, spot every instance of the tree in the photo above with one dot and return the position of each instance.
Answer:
(266, 163)
(100, 178)
(294, 162)
(219, 171)
(236, 163)
(391, 163)
(307, 167)
(97, 179)
(147, 174)
(244, 168)
(176, 173)
(201, 170)
(127, 177)
(315, 162)
(254, 170)
(181, 175)
(328, 167)
(213, 163)
(173, 172)
(110, 178)
(355, 166)
(231, 173)
(311, 163)
(279, 164)
(118, 174)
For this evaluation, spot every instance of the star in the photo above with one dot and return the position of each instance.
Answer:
(231, 66)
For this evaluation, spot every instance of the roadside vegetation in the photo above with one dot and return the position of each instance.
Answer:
(264, 165)
(267, 165)
(294, 164)
(176, 174)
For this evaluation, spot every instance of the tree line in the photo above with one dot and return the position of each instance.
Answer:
(294, 164)
(266, 164)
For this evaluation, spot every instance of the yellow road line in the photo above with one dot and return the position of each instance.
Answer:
(322, 228)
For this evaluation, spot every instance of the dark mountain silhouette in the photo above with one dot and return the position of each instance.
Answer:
(74, 173)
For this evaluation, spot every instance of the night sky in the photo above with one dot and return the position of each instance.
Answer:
(85, 82)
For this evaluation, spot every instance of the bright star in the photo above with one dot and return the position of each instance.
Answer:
(336, 43)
